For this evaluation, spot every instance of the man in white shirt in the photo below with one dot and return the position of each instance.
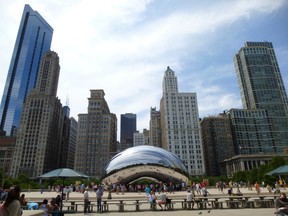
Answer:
(86, 200)
(190, 200)
(162, 200)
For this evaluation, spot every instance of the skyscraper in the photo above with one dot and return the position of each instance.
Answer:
(33, 40)
(96, 137)
(39, 136)
(217, 142)
(72, 143)
(155, 128)
(128, 128)
(180, 124)
(262, 90)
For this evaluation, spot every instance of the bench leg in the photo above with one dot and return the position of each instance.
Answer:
(121, 208)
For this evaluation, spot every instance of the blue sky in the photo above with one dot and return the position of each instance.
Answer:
(124, 47)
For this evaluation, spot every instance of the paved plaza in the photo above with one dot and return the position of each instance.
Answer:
(113, 209)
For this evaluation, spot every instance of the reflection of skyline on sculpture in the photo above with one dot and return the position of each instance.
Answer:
(144, 161)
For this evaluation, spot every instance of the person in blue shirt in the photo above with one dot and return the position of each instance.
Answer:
(99, 194)
(147, 190)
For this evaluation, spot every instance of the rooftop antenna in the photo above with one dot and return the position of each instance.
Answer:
(67, 100)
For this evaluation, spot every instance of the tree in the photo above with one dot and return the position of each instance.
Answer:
(276, 162)
(240, 176)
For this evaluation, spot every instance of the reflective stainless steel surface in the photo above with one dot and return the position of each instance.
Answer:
(144, 161)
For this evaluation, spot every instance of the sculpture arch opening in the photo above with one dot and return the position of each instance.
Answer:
(144, 161)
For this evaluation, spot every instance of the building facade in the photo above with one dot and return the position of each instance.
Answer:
(155, 128)
(141, 138)
(65, 138)
(262, 90)
(7, 146)
(96, 137)
(217, 142)
(38, 143)
(33, 40)
(138, 139)
(251, 131)
(180, 124)
(128, 128)
(72, 142)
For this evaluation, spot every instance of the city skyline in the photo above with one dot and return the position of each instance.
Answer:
(124, 49)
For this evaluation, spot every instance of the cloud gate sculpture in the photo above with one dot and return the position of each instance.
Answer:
(144, 161)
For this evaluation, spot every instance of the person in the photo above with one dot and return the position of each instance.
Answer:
(117, 189)
(190, 200)
(45, 207)
(53, 207)
(3, 195)
(269, 188)
(12, 206)
(147, 190)
(152, 200)
(257, 188)
(162, 200)
(64, 192)
(239, 193)
(198, 188)
(69, 190)
(205, 193)
(230, 191)
(281, 204)
(22, 200)
(122, 188)
(99, 195)
(42, 189)
(86, 200)
(58, 200)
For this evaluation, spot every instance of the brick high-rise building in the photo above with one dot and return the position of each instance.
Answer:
(38, 143)
(97, 136)
(217, 142)
(155, 128)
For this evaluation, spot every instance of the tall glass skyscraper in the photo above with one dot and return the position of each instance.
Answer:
(33, 40)
(262, 89)
(128, 128)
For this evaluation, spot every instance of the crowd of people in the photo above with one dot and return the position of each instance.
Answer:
(11, 202)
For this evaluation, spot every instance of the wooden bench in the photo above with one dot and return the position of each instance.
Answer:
(136, 204)
(250, 204)
(170, 205)
(202, 204)
(264, 203)
(217, 204)
(233, 203)
(105, 205)
(68, 207)
(89, 209)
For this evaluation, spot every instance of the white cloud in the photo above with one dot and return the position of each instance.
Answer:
(124, 48)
